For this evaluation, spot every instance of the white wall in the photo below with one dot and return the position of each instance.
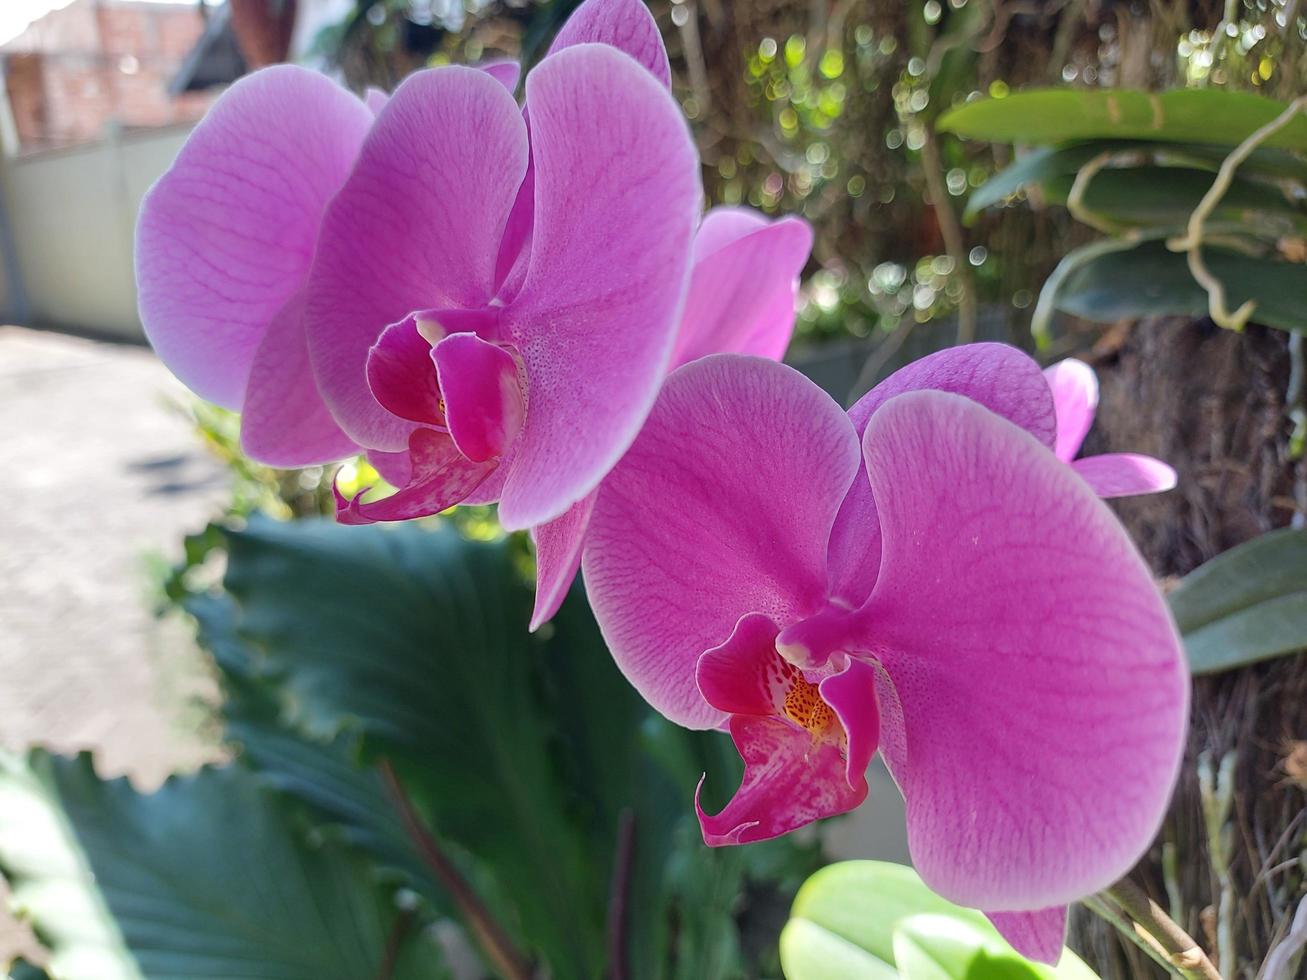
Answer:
(72, 214)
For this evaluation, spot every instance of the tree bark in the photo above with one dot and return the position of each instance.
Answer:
(1212, 403)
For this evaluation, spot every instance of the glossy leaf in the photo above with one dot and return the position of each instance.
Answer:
(1062, 115)
(857, 918)
(206, 877)
(1151, 280)
(1245, 605)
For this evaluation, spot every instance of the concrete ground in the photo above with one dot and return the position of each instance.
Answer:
(102, 475)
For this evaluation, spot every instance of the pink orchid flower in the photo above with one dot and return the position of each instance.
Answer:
(409, 286)
(921, 576)
(1075, 393)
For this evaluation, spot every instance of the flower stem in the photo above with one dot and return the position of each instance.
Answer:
(619, 894)
(485, 928)
(1186, 957)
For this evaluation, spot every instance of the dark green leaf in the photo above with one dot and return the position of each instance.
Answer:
(1245, 605)
(525, 752)
(1047, 164)
(1168, 196)
(1151, 280)
(1051, 116)
(205, 878)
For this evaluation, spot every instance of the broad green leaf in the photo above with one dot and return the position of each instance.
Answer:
(862, 901)
(22, 970)
(204, 878)
(940, 947)
(1047, 164)
(1245, 605)
(855, 918)
(811, 952)
(525, 752)
(1061, 115)
(1151, 280)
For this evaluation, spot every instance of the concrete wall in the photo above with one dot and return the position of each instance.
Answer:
(71, 215)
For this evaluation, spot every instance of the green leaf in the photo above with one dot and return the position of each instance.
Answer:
(809, 951)
(872, 919)
(1245, 605)
(525, 753)
(1169, 195)
(1061, 115)
(941, 947)
(1149, 280)
(204, 878)
(1046, 165)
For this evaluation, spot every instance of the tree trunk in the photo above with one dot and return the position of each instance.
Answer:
(1212, 403)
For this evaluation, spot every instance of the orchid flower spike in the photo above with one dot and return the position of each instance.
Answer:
(922, 576)
(1075, 395)
(484, 298)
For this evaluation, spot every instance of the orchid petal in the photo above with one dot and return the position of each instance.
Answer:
(742, 292)
(505, 71)
(851, 694)
(401, 376)
(624, 24)
(745, 675)
(1003, 379)
(1075, 393)
(484, 406)
(999, 377)
(616, 200)
(395, 468)
(558, 558)
(416, 226)
(1035, 667)
(515, 247)
(441, 477)
(790, 779)
(283, 421)
(721, 507)
(226, 235)
(1125, 474)
(375, 99)
(1035, 935)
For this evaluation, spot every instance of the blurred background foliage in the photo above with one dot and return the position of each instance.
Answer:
(827, 109)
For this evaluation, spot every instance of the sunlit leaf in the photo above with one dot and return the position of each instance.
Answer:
(206, 877)
(1063, 115)
(871, 920)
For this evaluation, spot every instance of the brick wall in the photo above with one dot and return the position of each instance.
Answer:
(96, 63)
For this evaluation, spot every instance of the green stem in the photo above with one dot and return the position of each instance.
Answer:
(1186, 957)
(485, 928)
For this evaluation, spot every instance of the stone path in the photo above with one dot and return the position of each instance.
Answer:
(102, 474)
